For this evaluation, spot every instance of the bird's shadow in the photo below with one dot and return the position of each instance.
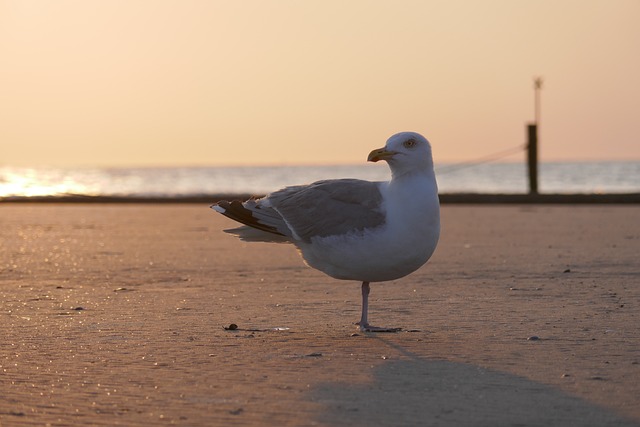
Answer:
(430, 392)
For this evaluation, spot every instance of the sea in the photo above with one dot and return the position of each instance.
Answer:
(617, 177)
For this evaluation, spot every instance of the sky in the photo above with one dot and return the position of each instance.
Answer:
(207, 82)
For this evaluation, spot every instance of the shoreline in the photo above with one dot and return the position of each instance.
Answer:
(446, 198)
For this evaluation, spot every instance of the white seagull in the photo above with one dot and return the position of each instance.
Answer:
(352, 229)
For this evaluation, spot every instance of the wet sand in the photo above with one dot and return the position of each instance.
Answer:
(114, 315)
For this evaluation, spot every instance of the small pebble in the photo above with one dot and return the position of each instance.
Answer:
(231, 327)
(79, 308)
(566, 375)
(568, 270)
(533, 338)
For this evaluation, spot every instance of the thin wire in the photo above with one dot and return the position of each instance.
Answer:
(486, 159)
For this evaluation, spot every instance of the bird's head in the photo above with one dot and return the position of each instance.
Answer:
(405, 152)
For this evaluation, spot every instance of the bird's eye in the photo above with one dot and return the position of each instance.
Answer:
(409, 143)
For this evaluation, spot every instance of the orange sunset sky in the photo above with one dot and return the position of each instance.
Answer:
(156, 82)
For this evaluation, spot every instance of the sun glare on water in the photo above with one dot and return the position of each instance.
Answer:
(26, 182)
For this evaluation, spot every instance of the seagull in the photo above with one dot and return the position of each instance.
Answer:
(352, 229)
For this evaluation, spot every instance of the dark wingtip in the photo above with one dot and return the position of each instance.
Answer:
(236, 211)
(221, 207)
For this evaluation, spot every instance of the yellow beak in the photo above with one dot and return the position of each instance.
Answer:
(380, 154)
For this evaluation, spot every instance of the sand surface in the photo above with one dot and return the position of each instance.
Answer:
(114, 315)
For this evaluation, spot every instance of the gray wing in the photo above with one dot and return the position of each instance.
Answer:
(329, 207)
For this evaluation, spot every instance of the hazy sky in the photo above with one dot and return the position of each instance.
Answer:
(187, 82)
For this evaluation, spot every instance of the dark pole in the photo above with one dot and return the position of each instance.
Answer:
(532, 157)
(532, 140)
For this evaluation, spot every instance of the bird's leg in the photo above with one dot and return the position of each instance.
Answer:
(365, 305)
(364, 324)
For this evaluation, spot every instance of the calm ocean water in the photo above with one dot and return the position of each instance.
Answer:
(509, 178)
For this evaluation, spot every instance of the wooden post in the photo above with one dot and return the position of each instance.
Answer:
(532, 139)
(532, 157)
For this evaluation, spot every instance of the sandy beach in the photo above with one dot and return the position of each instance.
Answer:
(115, 314)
